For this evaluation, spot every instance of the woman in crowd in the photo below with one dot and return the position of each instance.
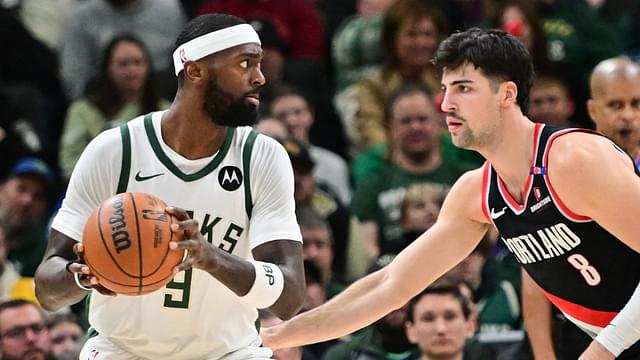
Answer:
(412, 30)
(123, 90)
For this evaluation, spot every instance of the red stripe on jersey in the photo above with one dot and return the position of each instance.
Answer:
(513, 204)
(592, 317)
(556, 199)
(485, 192)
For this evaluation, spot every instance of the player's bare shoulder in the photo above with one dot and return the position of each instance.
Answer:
(577, 154)
(579, 163)
(465, 197)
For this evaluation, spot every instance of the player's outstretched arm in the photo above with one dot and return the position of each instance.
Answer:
(54, 279)
(595, 179)
(458, 230)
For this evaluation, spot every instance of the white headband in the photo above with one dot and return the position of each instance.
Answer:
(207, 44)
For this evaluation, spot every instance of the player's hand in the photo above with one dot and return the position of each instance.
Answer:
(596, 351)
(200, 254)
(86, 278)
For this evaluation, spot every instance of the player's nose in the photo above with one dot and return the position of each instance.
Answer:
(258, 78)
(447, 104)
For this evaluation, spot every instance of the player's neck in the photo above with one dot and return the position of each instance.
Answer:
(191, 134)
(511, 154)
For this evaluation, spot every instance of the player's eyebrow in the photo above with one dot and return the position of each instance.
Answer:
(463, 81)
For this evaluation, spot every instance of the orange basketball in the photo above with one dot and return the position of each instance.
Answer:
(126, 244)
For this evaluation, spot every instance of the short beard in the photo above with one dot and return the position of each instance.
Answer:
(418, 157)
(225, 110)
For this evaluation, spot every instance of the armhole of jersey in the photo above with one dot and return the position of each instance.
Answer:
(123, 181)
(246, 167)
(485, 192)
(564, 210)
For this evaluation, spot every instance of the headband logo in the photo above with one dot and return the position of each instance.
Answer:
(183, 56)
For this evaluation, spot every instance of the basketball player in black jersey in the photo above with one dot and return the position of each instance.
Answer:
(614, 107)
(564, 202)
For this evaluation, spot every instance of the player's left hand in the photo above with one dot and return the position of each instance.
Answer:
(200, 254)
(596, 351)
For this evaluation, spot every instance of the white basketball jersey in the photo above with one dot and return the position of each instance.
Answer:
(231, 196)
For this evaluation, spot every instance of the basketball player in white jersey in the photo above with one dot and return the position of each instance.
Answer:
(565, 202)
(231, 189)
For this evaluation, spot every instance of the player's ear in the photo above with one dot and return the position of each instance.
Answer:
(592, 109)
(509, 92)
(193, 72)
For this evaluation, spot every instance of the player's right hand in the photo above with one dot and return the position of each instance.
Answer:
(86, 278)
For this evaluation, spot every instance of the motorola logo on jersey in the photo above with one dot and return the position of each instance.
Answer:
(230, 178)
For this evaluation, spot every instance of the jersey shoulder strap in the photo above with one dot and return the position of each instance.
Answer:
(246, 167)
(125, 166)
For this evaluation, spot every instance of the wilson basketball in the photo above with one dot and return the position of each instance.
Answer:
(126, 244)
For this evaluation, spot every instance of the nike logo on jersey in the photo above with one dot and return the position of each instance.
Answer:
(495, 215)
(144, 178)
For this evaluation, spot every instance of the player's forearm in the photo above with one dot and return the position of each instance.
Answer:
(54, 285)
(359, 305)
(292, 297)
(239, 276)
(235, 273)
(536, 311)
(624, 330)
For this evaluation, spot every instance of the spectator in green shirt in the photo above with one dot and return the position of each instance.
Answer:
(414, 129)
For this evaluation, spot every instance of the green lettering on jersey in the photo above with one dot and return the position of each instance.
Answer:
(185, 286)
(237, 230)
(207, 228)
(229, 242)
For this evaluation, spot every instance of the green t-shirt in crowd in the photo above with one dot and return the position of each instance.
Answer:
(27, 254)
(379, 198)
(366, 344)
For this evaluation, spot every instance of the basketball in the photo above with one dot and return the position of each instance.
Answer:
(126, 244)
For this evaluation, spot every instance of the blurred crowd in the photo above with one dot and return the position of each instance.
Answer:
(354, 99)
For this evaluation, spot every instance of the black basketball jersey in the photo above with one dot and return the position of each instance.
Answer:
(582, 268)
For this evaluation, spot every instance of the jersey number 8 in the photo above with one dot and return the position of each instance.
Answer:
(588, 272)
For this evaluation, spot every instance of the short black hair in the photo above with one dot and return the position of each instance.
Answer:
(498, 54)
(12, 304)
(440, 287)
(405, 89)
(205, 24)
(202, 25)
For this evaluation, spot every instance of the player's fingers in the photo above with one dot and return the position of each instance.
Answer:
(188, 244)
(190, 227)
(185, 265)
(92, 282)
(78, 248)
(76, 267)
(179, 213)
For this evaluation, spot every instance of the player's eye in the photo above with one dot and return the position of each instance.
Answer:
(244, 64)
(615, 105)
